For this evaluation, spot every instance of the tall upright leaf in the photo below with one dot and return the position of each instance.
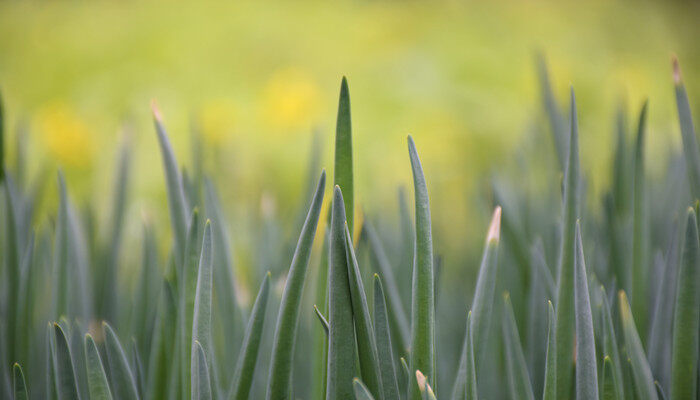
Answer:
(639, 233)
(176, 195)
(96, 376)
(122, 378)
(586, 372)
(610, 348)
(341, 346)
(396, 312)
(519, 385)
(686, 321)
(643, 379)
(201, 320)
(690, 141)
(482, 305)
(279, 384)
(565, 274)
(342, 172)
(423, 296)
(66, 384)
(248, 356)
(387, 366)
(550, 368)
(554, 114)
(201, 382)
(2, 140)
(364, 332)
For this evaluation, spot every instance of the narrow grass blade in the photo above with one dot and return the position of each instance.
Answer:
(482, 305)
(690, 141)
(187, 277)
(18, 383)
(470, 374)
(66, 384)
(201, 383)
(519, 385)
(640, 300)
(137, 368)
(61, 274)
(2, 140)
(382, 335)
(405, 377)
(686, 322)
(341, 347)
(643, 380)
(96, 376)
(609, 383)
(108, 298)
(176, 195)
(201, 320)
(586, 372)
(396, 312)
(550, 368)
(51, 364)
(121, 377)
(279, 384)
(250, 349)
(161, 358)
(554, 114)
(361, 391)
(565, 279)
(423, 296)
(322, 320)
(343, 175)
(610, 347)
(364, 332)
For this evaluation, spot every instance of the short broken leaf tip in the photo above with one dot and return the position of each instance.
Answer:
(494, 234)
(156, 111)
(676, 70)
(420, 379)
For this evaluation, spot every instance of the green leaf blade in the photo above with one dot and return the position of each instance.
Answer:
(686, 323)
(586, 372)
(279, 384)
(122, 379)
(343, 175)
(250, 349)
(97, 378)
(387, 366)
(423, 296)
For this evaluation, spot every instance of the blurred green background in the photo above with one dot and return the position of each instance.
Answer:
(256, 80)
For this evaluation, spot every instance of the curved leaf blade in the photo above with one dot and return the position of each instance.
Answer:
(248, 357)
(96, 376)
(122, 379)
(423, 296)
(586, 372)
(279, 384)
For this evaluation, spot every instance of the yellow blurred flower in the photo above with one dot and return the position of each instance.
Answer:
(291, 100)
(66, 136)
(217, 118)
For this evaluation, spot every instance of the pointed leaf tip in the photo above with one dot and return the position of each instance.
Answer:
(420, 378)
(156, 111)
(494, 234)
(676, 70)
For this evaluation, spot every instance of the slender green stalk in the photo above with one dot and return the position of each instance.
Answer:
(343, 175)
(482, 305)
(519, 385)
(341, 346)
(686, 321)
(97, 378)
(639, 240)
(550, 368)
(382, 334)
(121, 377)
(279, 384)
(364, 332)
(690, 141)
(250, 349)
(565, 278)
(18, 383)
(586, 372)
(643, 380)
(423, 296)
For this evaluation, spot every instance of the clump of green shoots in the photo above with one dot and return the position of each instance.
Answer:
(585, 303)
